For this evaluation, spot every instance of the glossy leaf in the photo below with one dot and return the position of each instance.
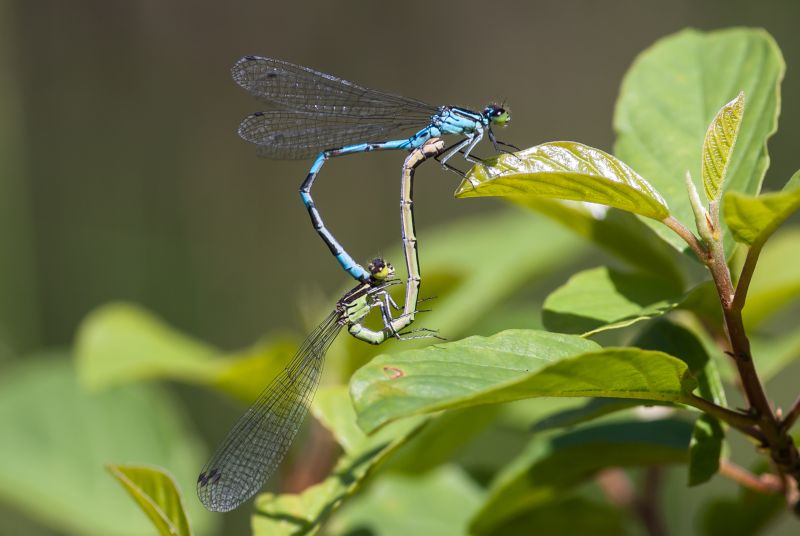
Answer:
(56, 438)
(157, 495)
(439, 502)
(306, 512)
(671, 94)
(511, 365)
(565, 170)
(601, 298)
(550, 467)
(718, 144)
(752, 219)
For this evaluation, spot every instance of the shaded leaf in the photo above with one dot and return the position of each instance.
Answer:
(708, 435)
(593, 409)
(565, 170)
(306, 512)
(469, 267)
(122, 343)
(620, 233)
(670, 95)
(776, 280)
(747, 514)
(573, 515)
(549, 467)
(752, 219)
(439, 502)
(511, 365)
(52, 453)
(774, 352)
(705, 449)
(717, 146)
(156, 494)
(601, 298)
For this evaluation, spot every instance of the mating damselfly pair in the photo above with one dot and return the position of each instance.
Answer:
(319, 114)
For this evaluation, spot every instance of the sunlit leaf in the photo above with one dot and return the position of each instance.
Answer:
(511, 365)
(549, 467)
(717, 146)
(671, 94)
(156, 494)
(565, 170)
(752, 219)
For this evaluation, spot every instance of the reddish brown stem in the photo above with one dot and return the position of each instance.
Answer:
(769, 484)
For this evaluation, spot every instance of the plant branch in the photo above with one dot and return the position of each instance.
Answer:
(791, 417)
(741, 421)
(647, 506)
(689, 237)
(746, 276)
(767, 483)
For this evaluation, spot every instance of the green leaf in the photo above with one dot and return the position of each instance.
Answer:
(708, 435)
(593, 409)
(122, 343)
(749, 513)
(752, 219)
(305, 512)
(670, 95)
(602, 298)
(773, 353)
(440, 502)
(776, 280)
(53, 451)
(470, 267)
(718, 144)
(565, 170)
(511, 365)
(620, 233)
(550, 467)
(705, 449)
(572, 515)
(157, 495)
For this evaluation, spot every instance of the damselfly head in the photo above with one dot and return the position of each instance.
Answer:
(380, 270)
(497, 114)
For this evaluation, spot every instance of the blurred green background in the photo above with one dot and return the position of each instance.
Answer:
(122, 177)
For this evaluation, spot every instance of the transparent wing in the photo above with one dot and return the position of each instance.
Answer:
(257, 443)
(300, 88)
(297, 134)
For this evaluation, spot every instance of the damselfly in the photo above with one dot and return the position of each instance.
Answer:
(320, 114)
(255, 446)
(257, 443)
